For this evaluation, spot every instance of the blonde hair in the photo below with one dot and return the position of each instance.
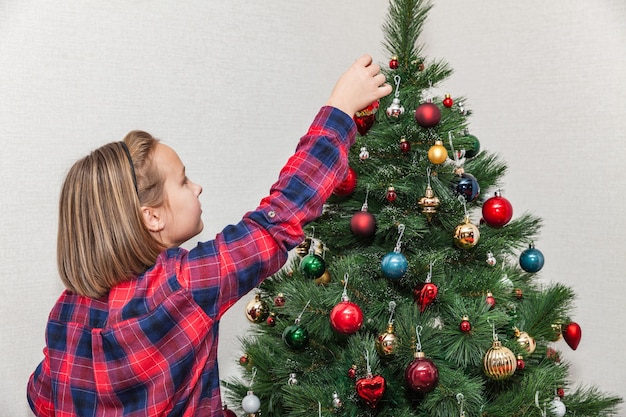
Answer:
(102, 239)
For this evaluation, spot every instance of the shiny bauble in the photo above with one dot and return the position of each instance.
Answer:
(572, 333)
(466, 235)
(271, 320)
(497, 211)
(296, 336)
(394, 265)
(364, 119)
(371, 389)
(346, 318)
(226, 412)
(472, 150)
(393, 62)
(391, 195)
(557, 407)
(499, 362)
(526, 341)
(490, 300)
(251, 403)
(386, 342)
(531, 259)
(425, 294)
(337, 403)
(465, 326)
(312, 266)
(279, 300)
(520, 363)
(422, 374)
(447, 101)
(347, 186)
(257, 310)
(429, 203)
(395, 109)
(304, 248)
(466, 185)
(405, 145)
(324, 279)
(437, 154)
(363, 224)
(427, 115)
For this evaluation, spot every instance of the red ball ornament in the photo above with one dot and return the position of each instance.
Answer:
(226, 412)
(393, 63)
(497, 211)
(364, 119)
(427, 115)
(244, 360)
(279, 300)
(465, 326)
(405, 145)
(421, 375)
(363, 224)
(346, 317)
(489, 299)
(391, 195)
(447, 101)
(572, 335)
(347, 186)
(371, 389)
(271, 320)
(425, 294)
(352, 372)
(520, 362)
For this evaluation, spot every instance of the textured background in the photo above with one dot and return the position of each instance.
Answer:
(231, 85)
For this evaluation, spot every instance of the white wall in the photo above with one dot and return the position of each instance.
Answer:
(231, 86)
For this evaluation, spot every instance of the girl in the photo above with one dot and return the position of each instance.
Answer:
(136, 331)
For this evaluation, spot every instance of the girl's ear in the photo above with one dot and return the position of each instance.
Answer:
(152, 219)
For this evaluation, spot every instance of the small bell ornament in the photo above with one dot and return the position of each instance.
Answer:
(387, 342)
(346, 317)
(395, 109)
(394, 264)
(422, 375)
(499, 362)
(257, 309)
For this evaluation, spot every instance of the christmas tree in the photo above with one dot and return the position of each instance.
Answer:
(417, 292)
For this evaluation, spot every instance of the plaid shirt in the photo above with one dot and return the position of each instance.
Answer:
(149, 348)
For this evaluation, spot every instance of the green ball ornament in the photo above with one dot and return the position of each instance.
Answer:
(296, 336)
(312, 266)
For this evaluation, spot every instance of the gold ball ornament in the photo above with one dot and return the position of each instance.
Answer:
(526, 341)
(499, 362)
(387, 342)
(304, 248)
(429, 203)
(257, 310)
(437, 154)
(466, 234)
(324, 279)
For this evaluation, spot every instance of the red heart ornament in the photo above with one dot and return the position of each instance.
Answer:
(424, 294)
(371, 389)
(572, 335)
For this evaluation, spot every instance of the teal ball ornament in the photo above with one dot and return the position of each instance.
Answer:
(312, 266)
(296, 336)
(394, 265)
(531, 259)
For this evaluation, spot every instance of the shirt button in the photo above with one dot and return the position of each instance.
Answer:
(271, 214)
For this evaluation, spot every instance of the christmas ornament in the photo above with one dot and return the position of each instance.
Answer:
(364, 153)
(352, 372)
(465, 185)
(305, 247)
(391, 195)
(520, 363)
(429, 203)
(405, 146)
(491, 260)
(387, 342)
(465, 326)
(337, 403)
(394, 264)
(474, 148)
(557, 407)
(296, 336)
(447, 101)
(363, 223)
(226, 412)
(393, 63)
(425, 293)
(560, 392)
(466, 234)
(531, 259)
(427, 114)
(251, 403)
(271, 320)
(312, 265)
(497, 211)
(244, 360)
(293, 379)
(346, 317)
(257, 309)
(347, 186)
(489, 299)
(499, 362)
(437, 154)
(395, 109)
(364, 119)
(371, 388)
(525, 340)
(422, 374)
(324, 279)
(279, 300)
(572, 335)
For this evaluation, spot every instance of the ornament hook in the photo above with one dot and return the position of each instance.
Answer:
(461, 198)
(460, 399)
(367, 362)
(397, 79)
(418, 332)
(430, 272)
(344, 295)
(392, 309)
(399, 242)
(302, 312)
(367, 193)
(493, 330)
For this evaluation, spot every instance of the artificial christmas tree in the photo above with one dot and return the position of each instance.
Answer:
(403, 301)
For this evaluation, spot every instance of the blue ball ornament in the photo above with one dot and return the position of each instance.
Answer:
(466, 185)
(531, 259)
(394, 265)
